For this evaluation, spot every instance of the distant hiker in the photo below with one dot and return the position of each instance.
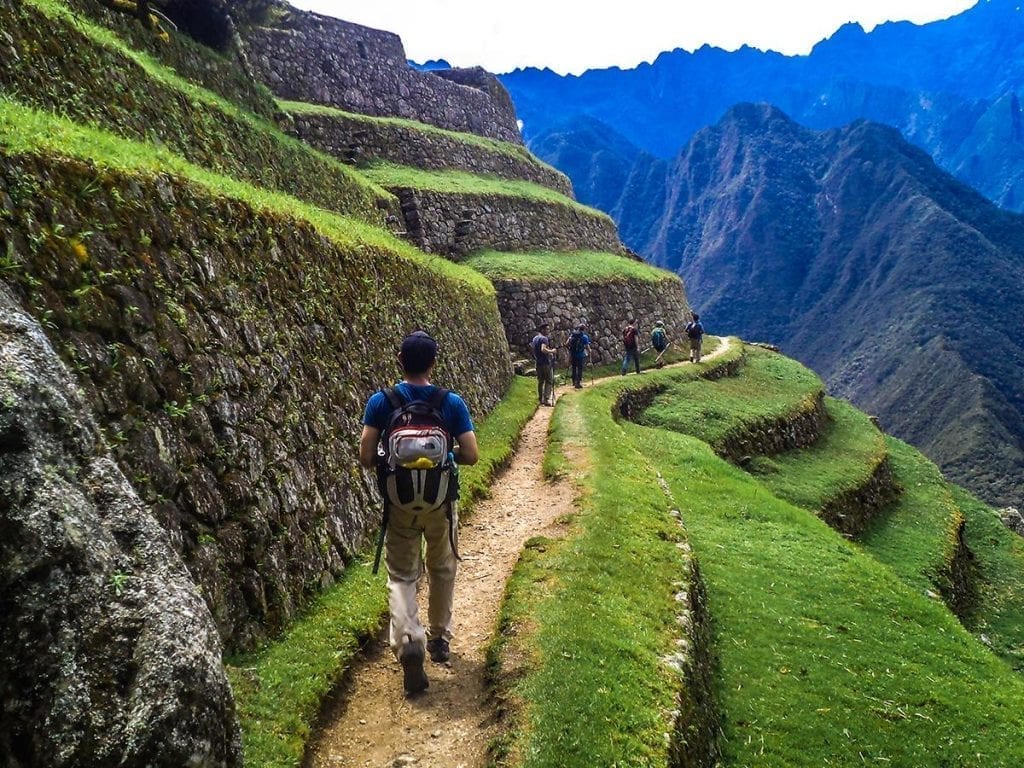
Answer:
(660, 342)
(695, 333)
(629, 341)
(544, 357)
(416, 435)
(578, 345)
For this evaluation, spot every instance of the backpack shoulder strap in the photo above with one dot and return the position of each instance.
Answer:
(437, 399)
(394, 399)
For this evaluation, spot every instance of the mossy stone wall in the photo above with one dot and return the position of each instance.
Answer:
(605, 306)
(49, 64)
(358, 140)
(227, 354)
(322, 60)
(454, 224)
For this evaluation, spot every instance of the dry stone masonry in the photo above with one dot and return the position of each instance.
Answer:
(358, 139)
(604, 306)
(456, 224)
(227, 353)
(320, 60)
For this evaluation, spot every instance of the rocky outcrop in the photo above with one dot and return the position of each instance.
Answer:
(605, 306)
(1012, 519)
(360, 139)
(227, 353)
(454, 224)
(108, 655)
(321, 60)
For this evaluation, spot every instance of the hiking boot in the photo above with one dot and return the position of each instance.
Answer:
(414, 678)
(438, 648)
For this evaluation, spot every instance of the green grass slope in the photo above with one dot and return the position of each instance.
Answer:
(461, 183)
(575, 266)
(771, 389)
(57, 55)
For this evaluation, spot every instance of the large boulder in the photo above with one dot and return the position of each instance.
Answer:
(108, 654)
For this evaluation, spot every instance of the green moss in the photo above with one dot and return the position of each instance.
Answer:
(462, 183)
(577, 266)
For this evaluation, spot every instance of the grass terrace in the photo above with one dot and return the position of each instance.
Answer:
(31, 131)
(842, 460)
(141, 99)
(507, 148)
(572, 267)
(279, 689)
(462, 183)
(770, 388)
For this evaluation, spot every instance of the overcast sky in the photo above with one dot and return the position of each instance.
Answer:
(574, 36)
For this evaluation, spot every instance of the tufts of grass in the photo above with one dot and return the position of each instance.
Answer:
(842, 460)
(771, 387)
(26, 130)
(462, 183)
(279, 689)
(579, 266)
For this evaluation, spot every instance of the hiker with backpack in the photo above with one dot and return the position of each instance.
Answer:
(630, 334)
(660, 342)
(416, 435)
(695, 333)
(544, 358)
(578, 345)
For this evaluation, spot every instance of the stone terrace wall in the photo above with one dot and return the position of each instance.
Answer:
(605, 307)
(455, 224)
(356, 140)
(227, 354)
(320, 60)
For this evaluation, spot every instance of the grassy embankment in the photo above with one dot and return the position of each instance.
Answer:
(825, 656)
(279, 689)
(568, 267)
(142, 99)
(461, 183)
(493, 146)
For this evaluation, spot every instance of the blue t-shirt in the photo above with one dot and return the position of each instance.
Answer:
(541, 358)
(453, 410)
(582, 353)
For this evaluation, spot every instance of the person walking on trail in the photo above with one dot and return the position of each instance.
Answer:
(660, 342)
(578, 345)
(416, 434)
(544, 357)
(630, 336)
(695, 333)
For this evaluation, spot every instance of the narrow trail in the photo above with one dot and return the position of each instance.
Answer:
(375, 725)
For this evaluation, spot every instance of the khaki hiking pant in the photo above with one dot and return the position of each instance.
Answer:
(695, 350)
(403, 550)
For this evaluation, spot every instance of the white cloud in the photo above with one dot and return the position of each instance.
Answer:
(574, 36)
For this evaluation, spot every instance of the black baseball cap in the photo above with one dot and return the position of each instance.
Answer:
(418, 352)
